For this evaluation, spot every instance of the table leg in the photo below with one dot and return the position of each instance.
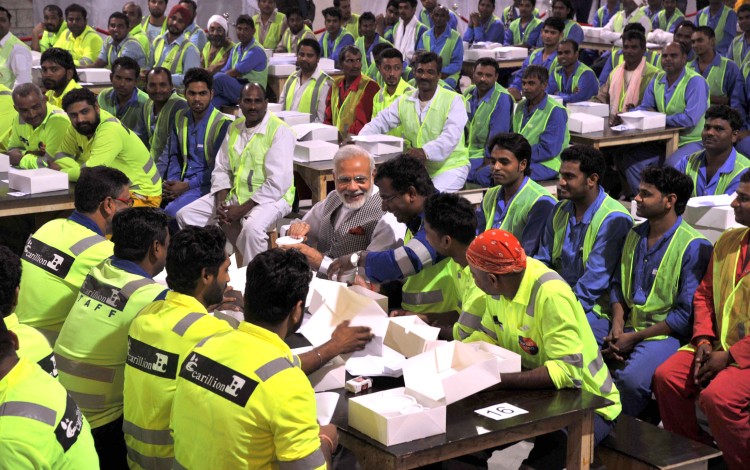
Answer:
(581, 441)
(673, 144)
(320, 193)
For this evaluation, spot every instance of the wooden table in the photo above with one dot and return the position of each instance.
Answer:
(33, 203)
(317, 175)
(610, 138)
(603, 45)
(467, 432)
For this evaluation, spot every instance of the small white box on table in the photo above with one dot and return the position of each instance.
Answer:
(94, 75)
(4, 163)
(380, 144)
(316, 131)
(275, 107)
(294, 118)
(410, 336)
(42, 180)
(326, 64)
(280, 70)
(710, 215)
(644, 120)
(590, 32)
(510, 52)
(434, 379)
(590, 108)
(379, 298)
(585, 123)
(314, 151)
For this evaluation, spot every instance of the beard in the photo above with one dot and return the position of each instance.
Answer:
(88, 128)
(214, 295)
(358, 204)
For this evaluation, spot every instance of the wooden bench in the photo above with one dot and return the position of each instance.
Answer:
(637, 445)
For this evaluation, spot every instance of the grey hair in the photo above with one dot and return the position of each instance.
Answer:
(22, 91)
(348, 152)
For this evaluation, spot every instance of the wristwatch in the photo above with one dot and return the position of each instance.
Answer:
(354, 259)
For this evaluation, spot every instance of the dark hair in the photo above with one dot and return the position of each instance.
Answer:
(450, 214)
(312, 43)
(745, 177)
(332, 11)
(536, 71)
(427, 57)
(138, 8)
(590, 160)
(491, 1)
(197, 74)
(120, 16)
(405, 171)
(54, 8)
(708, 31)
(127, 63)
(743, 7)
(10, 279)
(366, 16)
(634, 27)
(96, 184)
(294, 11)
(722, 111)
(162, 70)
(350, 49)
(568, 5)
(515, 144)
(60, 57)
(554, 23)
(193, 5)
(79, 94)
(276, 280)
(190, 251)
(135, 229)
(571, 42)
(388, 53)
(392, 3)
(73, 7)
(634, 36)
(26, 89)
(5, 10)
(533, 2)
(413, 3)
(670, 181)
(246, 20)
(686, 23)
(487, 62)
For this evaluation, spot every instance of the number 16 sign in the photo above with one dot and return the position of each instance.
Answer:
(501, 411)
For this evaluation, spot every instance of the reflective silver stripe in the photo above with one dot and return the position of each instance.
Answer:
(596, 365)
(85, 61)
(314, 460)
(86, 243)
(296, 361)
(227, 318)
(112, 119)
(272, 368)
(6, 93)
(41, 162)
(132, 286)
(177, 465)
(546, 277)
(607, 385)
(575, 360)
(155, 179)
(421, 251)
(148, 436)
(89, 401)
(85, 370)
(133, 187)
(149, 164)
(488, 332)
(61, 155)
(25, 409)
(577, 383)
(422, 298)
(152, 463)
(462, 335)
(470, 321)
(182, 326)
(203, 341)
(403, 261)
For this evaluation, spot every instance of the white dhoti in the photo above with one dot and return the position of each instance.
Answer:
(451, 181)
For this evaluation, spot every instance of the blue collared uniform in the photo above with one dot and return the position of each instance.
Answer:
(730, 170)
(251, 62)
(500, 121)
(586, 86)
(492, 31)
(535, 58)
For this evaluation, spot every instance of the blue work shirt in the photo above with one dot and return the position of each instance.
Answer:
(86, 221)
(135, 268)
(733, 80)
(426, 19)
(695, 107)
(437, 44)
(191, 59)
(198, 171)
(533, 34)
(607, 15)
(552, 138)
(501, 117)
(492, 31)
(593, 280)
(248, 58)
(588, 86)
(381, 266)
(533, 59)
(197, 36)
(347, 40)
(646, 262)
(575, 33)
(723, 38)
(537, 218)
(704, 188)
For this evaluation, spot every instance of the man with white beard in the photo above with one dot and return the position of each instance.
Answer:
(351, 218)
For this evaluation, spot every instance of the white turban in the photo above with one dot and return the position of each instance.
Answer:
(221, 22)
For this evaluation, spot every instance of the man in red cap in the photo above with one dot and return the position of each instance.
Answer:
(534, 313)
(173, 49)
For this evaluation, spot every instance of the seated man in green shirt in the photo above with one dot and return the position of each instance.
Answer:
(38, 128)
(98, 138)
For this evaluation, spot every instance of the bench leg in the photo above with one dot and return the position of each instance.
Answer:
(581, 442)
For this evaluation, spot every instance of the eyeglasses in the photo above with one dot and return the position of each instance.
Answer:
(346, 180)
(389, 198)
(128, 202)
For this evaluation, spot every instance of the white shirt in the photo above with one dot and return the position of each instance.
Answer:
(608, 33)
(437, 150)
(388, 234)
(278, 165)
(404, 38)
(19, 62)
(299, 90)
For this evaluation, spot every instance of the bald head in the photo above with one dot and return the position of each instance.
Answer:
(674, 58)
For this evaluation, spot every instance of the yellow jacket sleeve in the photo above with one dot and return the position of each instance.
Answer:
(562, 334)
(106, 145)
(66, 155)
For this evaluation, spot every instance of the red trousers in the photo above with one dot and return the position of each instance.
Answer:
(725, 402)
